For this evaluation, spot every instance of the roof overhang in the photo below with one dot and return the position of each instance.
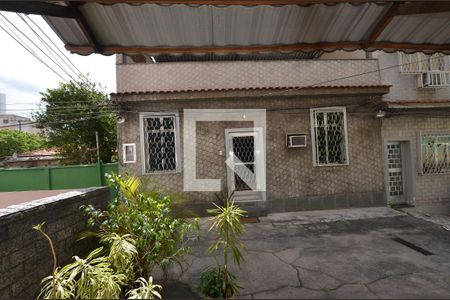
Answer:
(243, 26)
(370, 90)
(416, 104)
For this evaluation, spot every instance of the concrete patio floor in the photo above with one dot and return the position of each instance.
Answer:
(334, 254)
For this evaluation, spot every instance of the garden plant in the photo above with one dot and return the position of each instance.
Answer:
(138, 232)
(220, 282)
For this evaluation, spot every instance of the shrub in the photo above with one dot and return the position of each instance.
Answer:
(99, 275)
(161, 239)
(15, 141)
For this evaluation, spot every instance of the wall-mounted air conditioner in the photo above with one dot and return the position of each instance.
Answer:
(434, 79)
(296, 140)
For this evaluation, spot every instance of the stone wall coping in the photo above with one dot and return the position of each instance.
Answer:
(12, 212)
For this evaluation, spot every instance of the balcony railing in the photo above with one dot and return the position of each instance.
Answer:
(434, 79)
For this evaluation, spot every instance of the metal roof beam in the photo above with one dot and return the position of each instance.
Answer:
(38, 8)
(84, 25)
(423, 7)
(240, 2)
(383, 23)
(108, 50)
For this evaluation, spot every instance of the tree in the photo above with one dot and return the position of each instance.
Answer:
(15, 141)
(74, 112)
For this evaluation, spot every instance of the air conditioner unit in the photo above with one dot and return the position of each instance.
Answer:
(434, 79)
(296, 140)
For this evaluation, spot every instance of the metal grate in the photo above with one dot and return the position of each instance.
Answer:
(435, 153)
(395, 169)
(329, 134)
(419, 63)
(244, 151)
(160, 143)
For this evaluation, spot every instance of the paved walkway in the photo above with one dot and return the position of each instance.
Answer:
(335, 254)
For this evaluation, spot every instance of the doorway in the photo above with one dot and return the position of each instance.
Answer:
(399, 173)
(245, 163)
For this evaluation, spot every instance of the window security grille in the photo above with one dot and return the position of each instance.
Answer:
(418, 63)
(160, 143)
(435, 154)
(244, 150)
(330, 140)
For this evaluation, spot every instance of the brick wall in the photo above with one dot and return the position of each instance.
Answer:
(25, 256)
(292, 181)
(430, 188)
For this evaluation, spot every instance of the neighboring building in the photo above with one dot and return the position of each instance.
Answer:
(2, 103)
(331, 112)
(37, 158)
(12, 121)
(416, 129)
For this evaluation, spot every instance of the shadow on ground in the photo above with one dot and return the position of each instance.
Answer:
(333, 256)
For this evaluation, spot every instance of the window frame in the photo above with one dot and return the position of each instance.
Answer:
(422, 134)
(314, 149)
(124, 153)
(144, 115)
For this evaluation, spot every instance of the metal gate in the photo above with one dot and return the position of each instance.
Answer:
(396, 184)
(245, 151)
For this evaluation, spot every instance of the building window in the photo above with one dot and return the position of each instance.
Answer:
(129, 153)
(417, 63)
(329, 132)
(160, 139)
(5, 121)
(435, 153)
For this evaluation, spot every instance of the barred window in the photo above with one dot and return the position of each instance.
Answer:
(160, 143)
(329, 132)
(435, 150)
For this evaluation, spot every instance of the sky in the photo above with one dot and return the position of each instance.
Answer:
(23, 77)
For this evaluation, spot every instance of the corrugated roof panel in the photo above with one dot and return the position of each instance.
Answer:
(418, 29)
(67, 30)
(149, 24)
(183, 25)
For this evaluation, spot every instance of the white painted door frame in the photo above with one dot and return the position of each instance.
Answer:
(259, 164)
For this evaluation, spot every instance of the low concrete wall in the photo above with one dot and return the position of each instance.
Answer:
(25, 256)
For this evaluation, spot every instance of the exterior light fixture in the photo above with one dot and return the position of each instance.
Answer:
(244, 116)
(381, 114)
(120, 119)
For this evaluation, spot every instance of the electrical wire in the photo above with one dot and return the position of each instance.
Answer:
(32, 53)
(42, 51)
(63, 55)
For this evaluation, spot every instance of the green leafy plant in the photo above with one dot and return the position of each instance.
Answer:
(102, 274)
(226, 222)
(74, 111)
(146, 290)
(148, 218)
(16, 141)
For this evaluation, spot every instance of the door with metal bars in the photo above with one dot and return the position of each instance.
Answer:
(245, 163)
(396, 182)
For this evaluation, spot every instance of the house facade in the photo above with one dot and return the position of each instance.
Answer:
(416, 128)
(321, 147)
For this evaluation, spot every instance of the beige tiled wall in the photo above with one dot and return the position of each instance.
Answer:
(428, 188)
(290, 172)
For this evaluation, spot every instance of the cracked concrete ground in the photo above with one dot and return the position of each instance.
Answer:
(335, 254)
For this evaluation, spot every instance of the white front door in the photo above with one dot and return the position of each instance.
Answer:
(245, 163)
